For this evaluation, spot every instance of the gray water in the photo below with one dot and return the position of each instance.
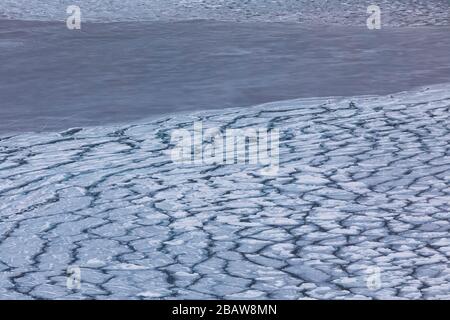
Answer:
(52, 78)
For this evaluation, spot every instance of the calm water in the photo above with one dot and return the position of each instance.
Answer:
(52, 78)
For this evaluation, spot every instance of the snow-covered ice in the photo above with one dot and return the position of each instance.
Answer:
(363, 183)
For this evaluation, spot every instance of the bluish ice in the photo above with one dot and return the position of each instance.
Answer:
(363, 184)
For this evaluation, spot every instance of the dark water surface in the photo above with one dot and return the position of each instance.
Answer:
(52, 78)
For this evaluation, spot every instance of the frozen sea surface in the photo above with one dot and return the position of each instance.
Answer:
(363, 184)
(344, 12)
(52, 78)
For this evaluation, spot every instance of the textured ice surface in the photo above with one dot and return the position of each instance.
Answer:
(346, 12)
(363, 183)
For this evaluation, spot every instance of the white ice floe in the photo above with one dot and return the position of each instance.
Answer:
(363, 185)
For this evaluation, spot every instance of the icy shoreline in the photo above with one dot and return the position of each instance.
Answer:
(363, 184)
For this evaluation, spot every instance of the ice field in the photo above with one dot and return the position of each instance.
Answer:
(93, 205)
(363, 183)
